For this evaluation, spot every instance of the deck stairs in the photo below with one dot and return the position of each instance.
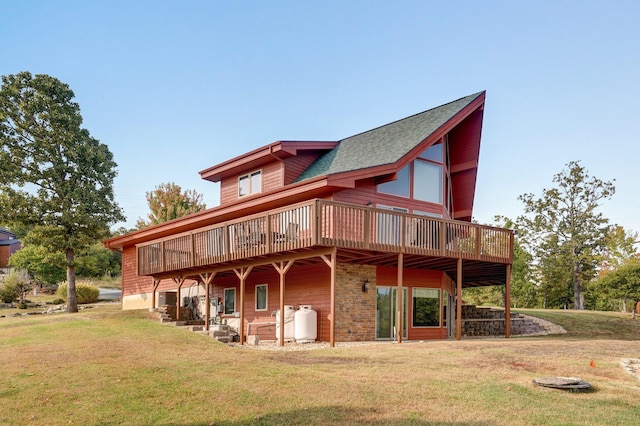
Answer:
(220, 332)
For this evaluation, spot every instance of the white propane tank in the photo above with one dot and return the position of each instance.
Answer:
(306, 324)
(289, 317)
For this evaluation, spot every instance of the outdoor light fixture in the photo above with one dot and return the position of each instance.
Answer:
(369, 203)
(365, 285)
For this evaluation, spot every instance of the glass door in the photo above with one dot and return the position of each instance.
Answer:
(386, 316)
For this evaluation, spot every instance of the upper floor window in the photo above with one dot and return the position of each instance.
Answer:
(433, 153)
(423, 179)
(400, 186)
(250, 184)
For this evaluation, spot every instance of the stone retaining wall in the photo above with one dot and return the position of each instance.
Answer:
(478, 321)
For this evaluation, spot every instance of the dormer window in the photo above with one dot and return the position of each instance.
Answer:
(250, 184)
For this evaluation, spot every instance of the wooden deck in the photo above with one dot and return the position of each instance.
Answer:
(320, 223)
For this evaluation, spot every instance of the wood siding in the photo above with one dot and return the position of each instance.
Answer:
(272, 179)
(132, 283)
(294, 166)
(304, 285)
(366, 191)
(464, 147)
(6, 251)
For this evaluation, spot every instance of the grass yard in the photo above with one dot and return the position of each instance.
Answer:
(104, 366)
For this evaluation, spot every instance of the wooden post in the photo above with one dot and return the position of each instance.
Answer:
(282, 270)
(156, 282)
(178, 280)
(507, 304)
(459, 300)
(331, 262)
(207, 278)
(399, 297)
(242, 274)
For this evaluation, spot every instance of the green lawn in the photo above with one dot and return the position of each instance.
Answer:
(104, 366)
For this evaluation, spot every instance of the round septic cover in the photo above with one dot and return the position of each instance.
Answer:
(562, 382)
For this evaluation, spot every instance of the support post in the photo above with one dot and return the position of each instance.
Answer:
(207, 278)
(331, 262)
(156, 282)
(242, 275)
(178, 280)
(459, 300)
(399, 297)
(282, 269)
(507, 304)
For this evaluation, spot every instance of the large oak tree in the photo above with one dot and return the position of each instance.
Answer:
(54, 176)
(567, 233)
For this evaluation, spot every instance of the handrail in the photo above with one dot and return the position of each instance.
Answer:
(325, 223)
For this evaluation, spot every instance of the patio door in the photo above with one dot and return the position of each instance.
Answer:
(386, 317)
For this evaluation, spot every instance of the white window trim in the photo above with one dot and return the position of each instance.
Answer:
(266, 298)
(248, 176)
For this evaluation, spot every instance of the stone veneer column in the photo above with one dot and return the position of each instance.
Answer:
(355, 310)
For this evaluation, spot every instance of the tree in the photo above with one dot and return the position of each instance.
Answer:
(20, 281)
(624, 283)
(567, 232)
(42, 264)
(98, 261)
(54, 176)
(620, 248)
(168, 202)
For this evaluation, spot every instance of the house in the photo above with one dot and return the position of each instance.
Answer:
(9, 244)
(371, 235)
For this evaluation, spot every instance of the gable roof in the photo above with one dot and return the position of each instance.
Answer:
(386, 144)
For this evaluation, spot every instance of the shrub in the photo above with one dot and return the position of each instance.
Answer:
(8, 292)
(57, 301)
(85, 292)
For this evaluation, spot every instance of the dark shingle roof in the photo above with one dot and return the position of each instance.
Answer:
(386, 144)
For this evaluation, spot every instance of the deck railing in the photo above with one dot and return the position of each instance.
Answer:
(325, 223)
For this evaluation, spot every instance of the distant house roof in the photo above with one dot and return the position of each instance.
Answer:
(5, 233)
(386, 144)
(9, 242)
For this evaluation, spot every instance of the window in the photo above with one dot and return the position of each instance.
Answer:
(388, 226)
(261, 297)
(428, 214)
(424, 179)
(250, 184)
(229, 301)
(426, 307)
(427, 182)
(433, 153)
(445, 305)
(399, 187)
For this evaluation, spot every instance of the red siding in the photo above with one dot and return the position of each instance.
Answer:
(365, 191)
(294, 166)
(464, 145)
(4, 256)
(272, 178)
(132, 283)
(305, 285)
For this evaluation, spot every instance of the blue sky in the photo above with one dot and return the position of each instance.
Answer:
(174, 87)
